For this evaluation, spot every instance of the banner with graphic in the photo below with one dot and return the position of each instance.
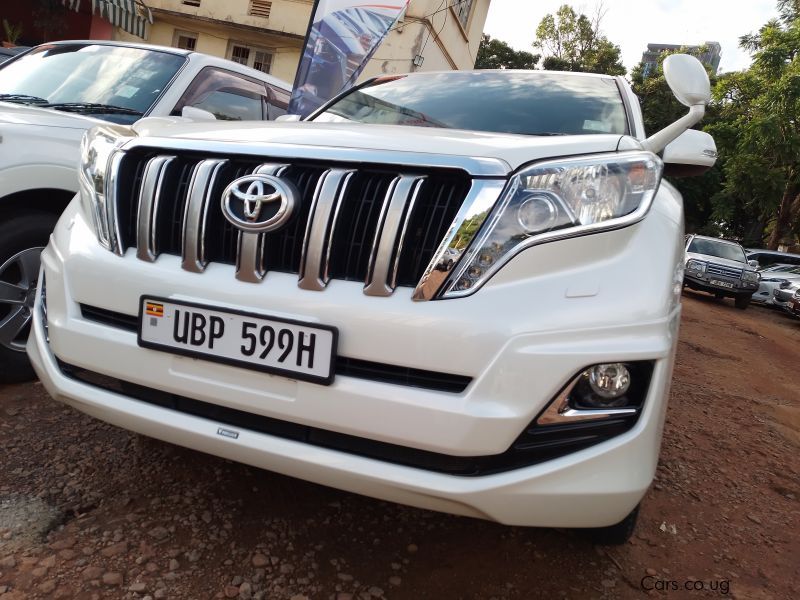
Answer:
(343, 35)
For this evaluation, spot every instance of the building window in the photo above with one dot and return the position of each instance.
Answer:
(260, 8)
(194, 3)
(185, 39)
(463, 8)
(258, 58)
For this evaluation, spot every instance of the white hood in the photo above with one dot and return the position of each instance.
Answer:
(24, 114)
(515, 150)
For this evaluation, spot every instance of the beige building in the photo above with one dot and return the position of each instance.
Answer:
(268, 35)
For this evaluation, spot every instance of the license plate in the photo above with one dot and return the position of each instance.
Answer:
(264, 343)
(725, 284)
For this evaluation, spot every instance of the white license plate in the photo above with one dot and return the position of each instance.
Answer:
(264, 343)
(725, 284)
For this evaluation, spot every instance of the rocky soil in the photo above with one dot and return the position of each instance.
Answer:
(89, 511)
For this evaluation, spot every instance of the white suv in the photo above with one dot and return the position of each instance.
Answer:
(478, 322)
(49, 98)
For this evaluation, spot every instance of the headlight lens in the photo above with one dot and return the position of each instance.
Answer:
(555, 200)
(97, 147)
(751, 276)
(696, 265)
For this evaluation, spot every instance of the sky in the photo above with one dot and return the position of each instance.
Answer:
(632, 24)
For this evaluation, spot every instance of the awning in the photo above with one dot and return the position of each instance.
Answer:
(131, 15)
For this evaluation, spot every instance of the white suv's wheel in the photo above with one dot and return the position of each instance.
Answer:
(22, 240)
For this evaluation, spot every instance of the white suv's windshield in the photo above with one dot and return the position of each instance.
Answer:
(115, 83)
(532, 103)
(718, 249)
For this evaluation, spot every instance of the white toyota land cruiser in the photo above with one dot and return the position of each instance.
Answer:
(475, 314)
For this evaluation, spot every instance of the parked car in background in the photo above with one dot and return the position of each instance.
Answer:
(721, 268)
(793, 305)
(784, 293)
(418, 313)
(766, 258)
(48, 98)
(772, 278)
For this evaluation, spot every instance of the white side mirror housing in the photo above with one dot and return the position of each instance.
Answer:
(688, 80)
(197, 114)
(753, 263)
(289, 118)
(691, 153)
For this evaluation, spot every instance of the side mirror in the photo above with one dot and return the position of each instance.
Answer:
(688, 80)
(753, 263)
(197, 114)
(692, 153)
(289, 118)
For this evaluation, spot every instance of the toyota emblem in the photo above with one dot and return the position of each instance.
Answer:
(259, 203)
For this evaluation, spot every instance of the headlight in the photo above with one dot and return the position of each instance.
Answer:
(696, 265)
(97, 147)
(555, 200)
(751, 277)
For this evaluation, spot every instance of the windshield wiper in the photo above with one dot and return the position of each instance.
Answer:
(91, 107)
(549, 133)
(22, 99)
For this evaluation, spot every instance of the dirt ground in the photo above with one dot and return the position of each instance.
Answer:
(89, 511)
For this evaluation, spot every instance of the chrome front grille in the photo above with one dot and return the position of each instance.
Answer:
(381, 225)
(714, 269)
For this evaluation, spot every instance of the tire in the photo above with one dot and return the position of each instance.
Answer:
(741, 302)
(21, 238)
(614, 535)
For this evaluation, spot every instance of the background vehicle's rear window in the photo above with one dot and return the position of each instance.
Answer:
(532, 103)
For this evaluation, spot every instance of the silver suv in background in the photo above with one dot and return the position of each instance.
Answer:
(721, 268)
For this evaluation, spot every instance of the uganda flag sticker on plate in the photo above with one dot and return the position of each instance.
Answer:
(154, 309)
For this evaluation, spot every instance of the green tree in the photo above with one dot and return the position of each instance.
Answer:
(496, 54)
(573, 42)
(761, 126)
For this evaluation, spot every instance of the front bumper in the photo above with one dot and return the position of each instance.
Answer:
(705, 283)
(515, 369)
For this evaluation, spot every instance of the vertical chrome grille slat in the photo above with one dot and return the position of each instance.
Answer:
(250, 255)
(149, 196)
(111, 184)
(331, 190)
(203, 178)
(394, 217)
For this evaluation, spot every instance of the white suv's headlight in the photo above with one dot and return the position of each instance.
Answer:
(97, 147)
(555, 200)
(698, 266)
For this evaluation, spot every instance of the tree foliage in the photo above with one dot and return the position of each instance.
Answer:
(496, 54)
(573, 42)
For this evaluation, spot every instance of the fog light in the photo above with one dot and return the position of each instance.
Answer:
(609, 381)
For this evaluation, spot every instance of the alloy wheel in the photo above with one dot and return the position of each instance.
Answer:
(19, 276)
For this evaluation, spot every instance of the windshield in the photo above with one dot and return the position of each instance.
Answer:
(718, 249)
(109, 82)
(532, 103)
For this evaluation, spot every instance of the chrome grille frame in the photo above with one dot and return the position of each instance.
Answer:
(394, 210)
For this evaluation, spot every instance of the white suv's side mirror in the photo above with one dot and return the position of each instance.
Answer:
(289, 118)
(688, 80)
(197, 114)
(692, 153)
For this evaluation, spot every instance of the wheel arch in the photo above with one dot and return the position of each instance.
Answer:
(51, 200)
